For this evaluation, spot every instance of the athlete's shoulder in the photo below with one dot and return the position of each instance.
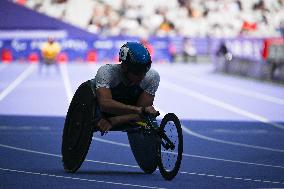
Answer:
(151, 82)
(152, 75)
(152, 78)
(108, 75)
(110, 68)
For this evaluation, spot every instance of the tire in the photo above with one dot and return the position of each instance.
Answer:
(144, 147)
(167, 168)
(78, 128)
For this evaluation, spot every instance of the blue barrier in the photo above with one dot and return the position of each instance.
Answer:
(107, 48)
(77, 49)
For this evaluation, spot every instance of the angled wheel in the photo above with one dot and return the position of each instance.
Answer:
(171, 148)
(144, 147)
(78, 128)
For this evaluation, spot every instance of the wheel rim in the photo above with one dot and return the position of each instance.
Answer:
(169, 156)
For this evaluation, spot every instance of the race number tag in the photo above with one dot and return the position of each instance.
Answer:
(123, 53)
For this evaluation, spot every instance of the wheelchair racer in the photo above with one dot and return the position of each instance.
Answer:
(126, 91)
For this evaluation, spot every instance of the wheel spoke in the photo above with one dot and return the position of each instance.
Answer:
(171, 146)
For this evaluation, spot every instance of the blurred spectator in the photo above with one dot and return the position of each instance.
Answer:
(260, 6)
(189, 51)
(172, 51)
(21, 2)
(224, 54)
(191, 18)
(222, 51)
(49, 52)
(281, 28)
(239, 4)
(165, 27)
(248, 27)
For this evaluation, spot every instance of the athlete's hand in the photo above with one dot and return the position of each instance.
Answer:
(150, 110)
(104, 125)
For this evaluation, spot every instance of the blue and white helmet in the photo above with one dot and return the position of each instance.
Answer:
(136, 57)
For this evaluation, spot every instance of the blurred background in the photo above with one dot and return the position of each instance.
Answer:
(221, 67)
(243, 37)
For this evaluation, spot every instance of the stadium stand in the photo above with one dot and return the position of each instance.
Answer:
(94, 30)
(218, 18)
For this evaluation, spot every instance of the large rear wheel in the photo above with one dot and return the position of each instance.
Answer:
(144, 147)
(78, 128)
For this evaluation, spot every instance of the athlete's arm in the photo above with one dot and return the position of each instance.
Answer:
(146, 100)
(108, 105)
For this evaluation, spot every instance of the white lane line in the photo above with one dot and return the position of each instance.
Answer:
(228, 177)
(29, 151)
(247, 179)
(77, 178)
(196, 156)
(56, 155)
(125, 145)
(66, 80)
(230, 143)
(188, 131)
(17, 81)
(232, 178)
(235, 161)
(119, 164)
(2, 66)
(171, 86)
(24, 128)
(241, 131)
(231, 89)
(111, 142)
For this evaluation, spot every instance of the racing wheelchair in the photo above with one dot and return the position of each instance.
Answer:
(153, 145)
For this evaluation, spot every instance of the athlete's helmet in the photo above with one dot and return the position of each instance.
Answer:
(136, 57)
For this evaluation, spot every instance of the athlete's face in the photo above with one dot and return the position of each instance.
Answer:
(132, 77)
(135, 78)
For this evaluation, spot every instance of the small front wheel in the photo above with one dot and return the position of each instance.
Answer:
(171, 148)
